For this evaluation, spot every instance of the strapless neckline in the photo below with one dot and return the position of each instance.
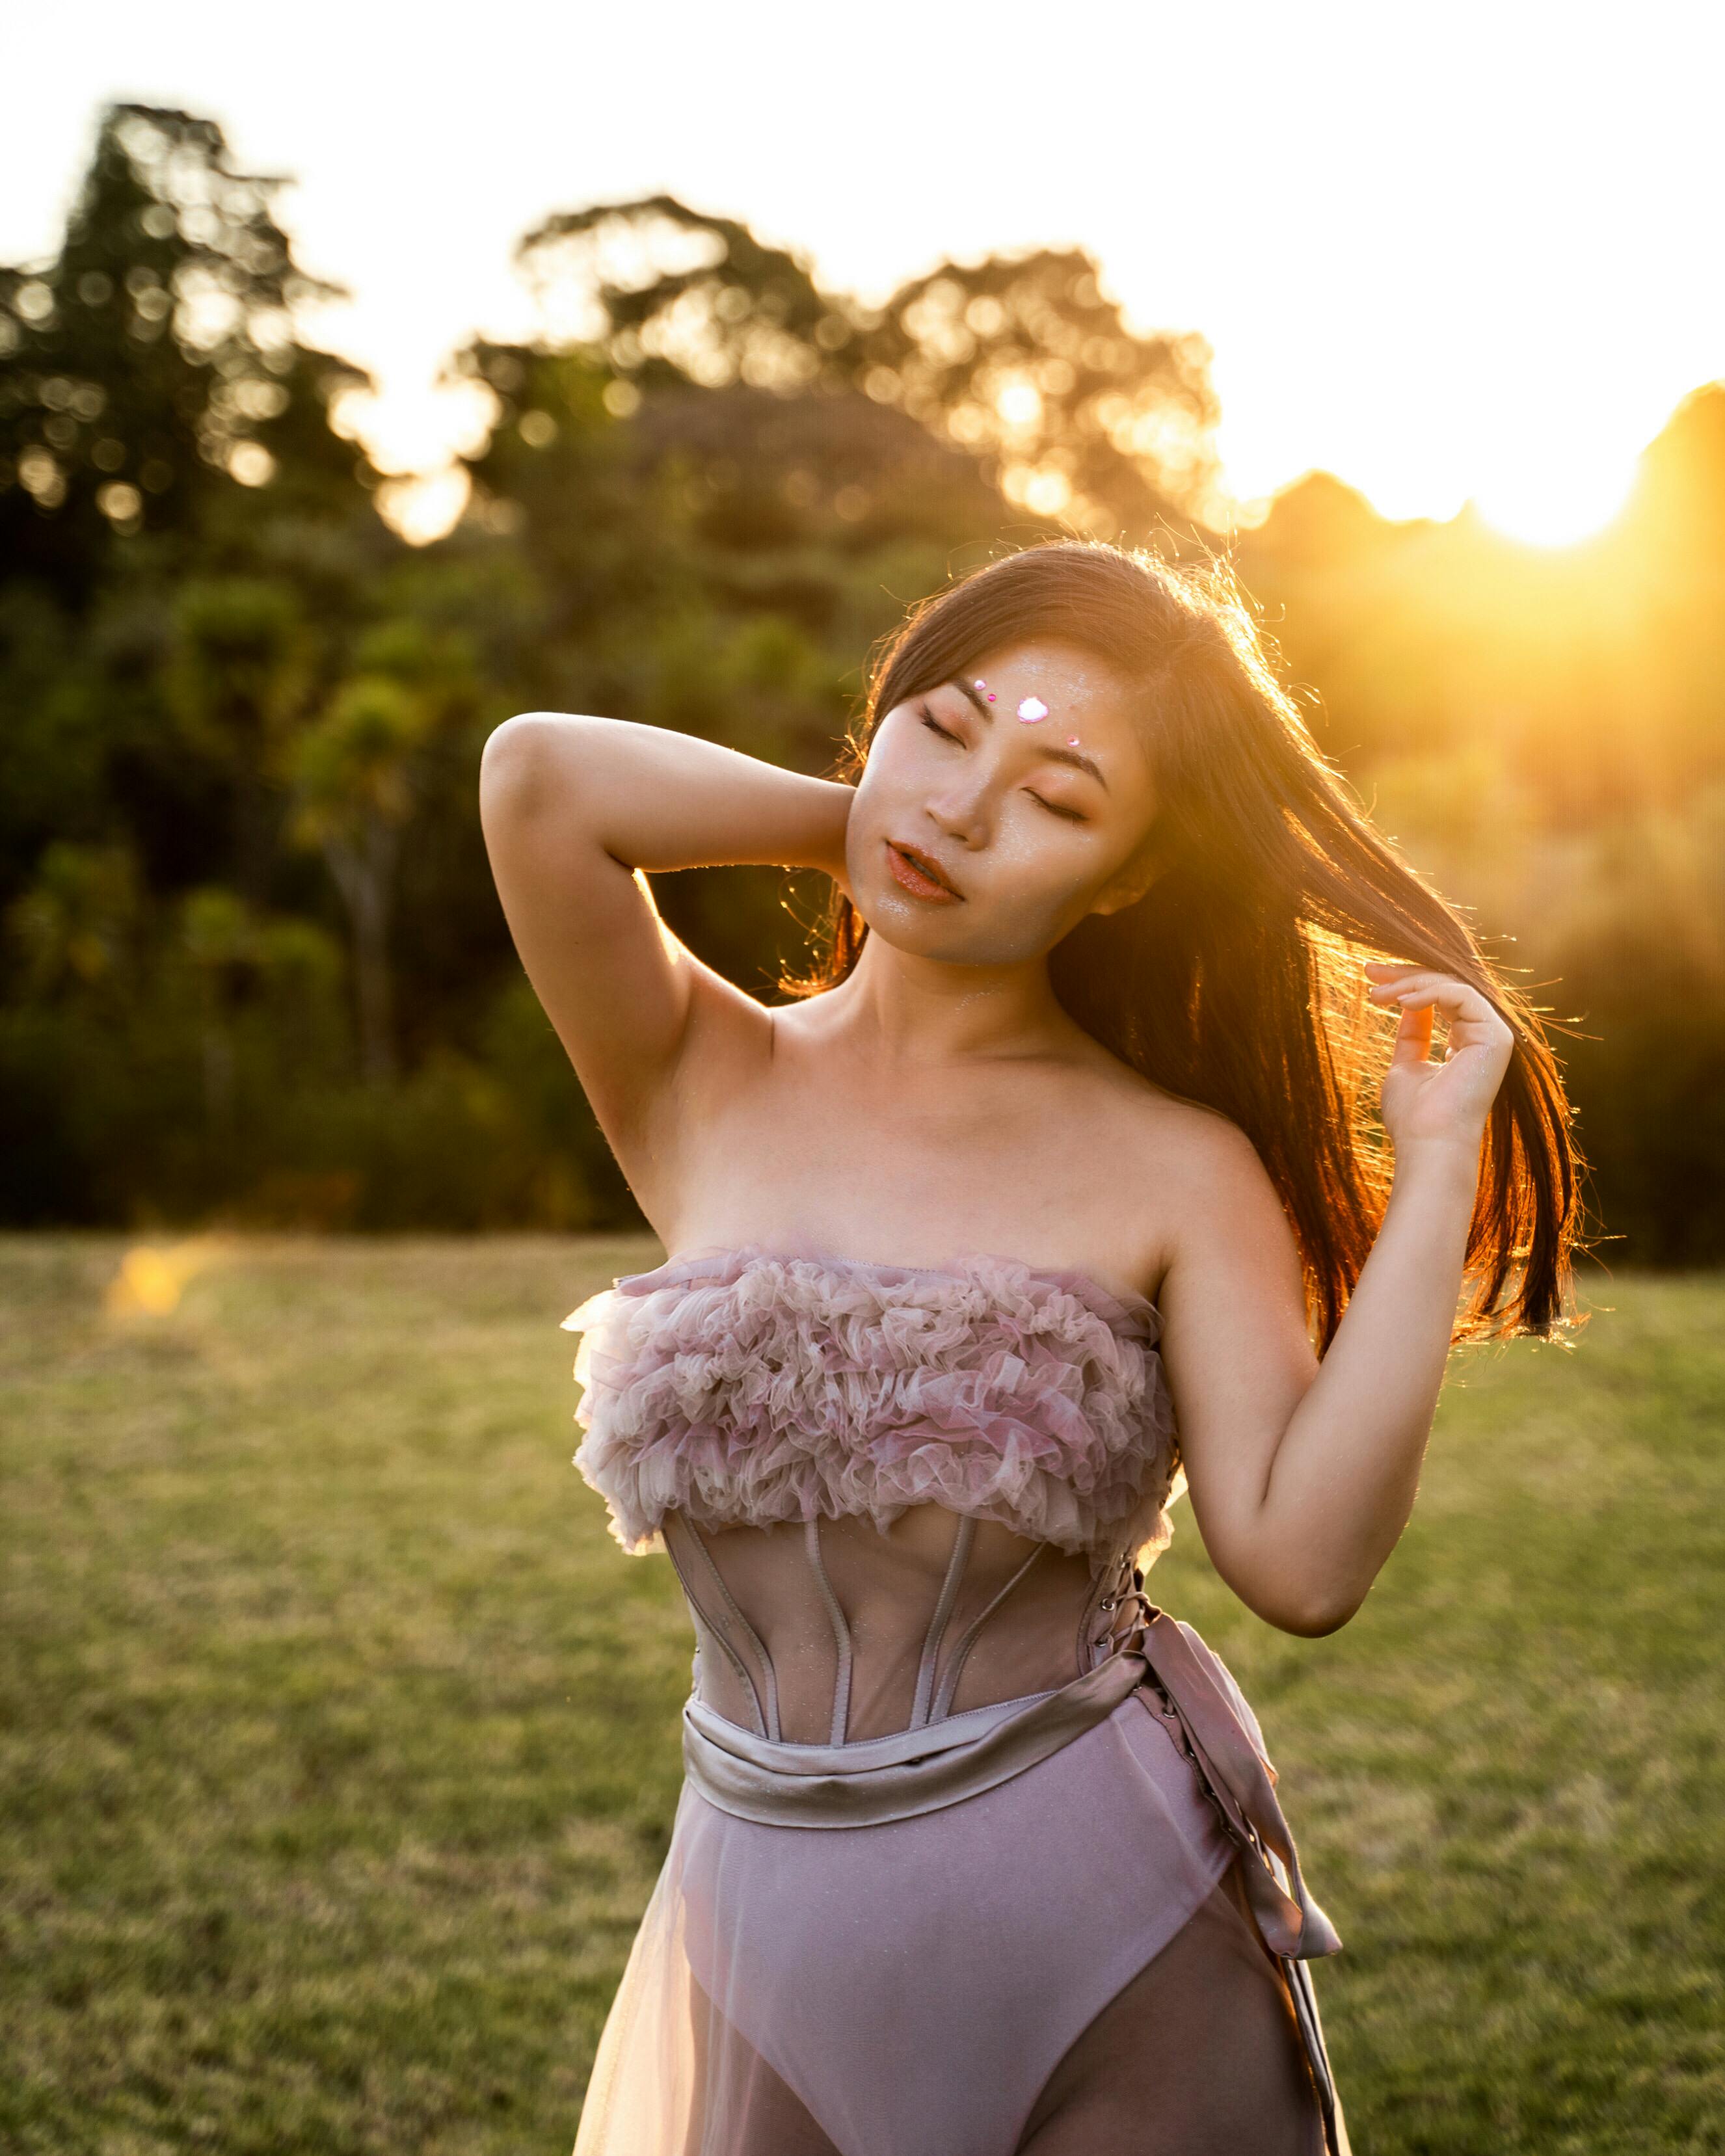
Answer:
(1127, 1302)
(745, 1384)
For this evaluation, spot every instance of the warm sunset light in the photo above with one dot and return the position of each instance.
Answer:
(1446, 293)
(1558, 506)
(876, 695)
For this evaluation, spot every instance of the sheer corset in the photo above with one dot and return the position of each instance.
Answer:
(831, 1631)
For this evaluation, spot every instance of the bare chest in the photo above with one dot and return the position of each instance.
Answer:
(920, 1172)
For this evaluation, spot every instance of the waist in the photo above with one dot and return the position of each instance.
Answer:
(874, 1780)
(868, 1781)
(833, 1631)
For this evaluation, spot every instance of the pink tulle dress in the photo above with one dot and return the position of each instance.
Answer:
(977, 1851)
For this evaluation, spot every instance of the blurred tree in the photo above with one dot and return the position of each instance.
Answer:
(152, 374)
(220, 940)
(554, 477)
(237, 677)
(355, 771)
(1669, 553)
(1677, 510)
(1027, 361)
(667, 293)
(786, 494)
(76, 930)
(1024, 361)
(1637, 938)
(53, 752)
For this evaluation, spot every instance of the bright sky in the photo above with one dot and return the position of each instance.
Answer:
(1445, 251)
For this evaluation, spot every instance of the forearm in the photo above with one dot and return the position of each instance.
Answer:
(1342, 1480)
(658, 800)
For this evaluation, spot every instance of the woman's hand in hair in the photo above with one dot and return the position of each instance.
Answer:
(1450, 1100)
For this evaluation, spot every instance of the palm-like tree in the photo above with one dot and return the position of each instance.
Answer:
(354, 771)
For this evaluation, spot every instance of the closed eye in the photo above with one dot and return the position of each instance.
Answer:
(1068, 815)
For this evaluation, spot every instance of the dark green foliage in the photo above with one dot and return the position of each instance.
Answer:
(251, 962)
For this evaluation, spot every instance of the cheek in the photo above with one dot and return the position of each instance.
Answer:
(866, 828)
(1015, 912)
(1032, 906)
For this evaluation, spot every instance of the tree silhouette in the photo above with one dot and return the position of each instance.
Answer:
(353, 767)
(1024, 361)
(151, 375)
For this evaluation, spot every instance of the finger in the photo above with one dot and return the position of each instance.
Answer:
(1457, 999)
(1413, 1036)
(1398, 983)
(1473, 1027)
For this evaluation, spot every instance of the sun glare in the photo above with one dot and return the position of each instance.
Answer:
(1560, 506)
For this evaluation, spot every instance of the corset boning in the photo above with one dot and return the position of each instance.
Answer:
(827, 1631)
(891, 1493)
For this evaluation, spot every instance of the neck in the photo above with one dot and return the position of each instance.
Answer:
(897, 1008)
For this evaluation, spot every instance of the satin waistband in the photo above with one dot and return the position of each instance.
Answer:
(901, 1775)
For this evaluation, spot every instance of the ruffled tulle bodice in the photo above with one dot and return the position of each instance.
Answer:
(854, 1466)
(749, 1387)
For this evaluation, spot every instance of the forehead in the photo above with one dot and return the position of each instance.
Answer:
(1085, 697)
(1068, 678)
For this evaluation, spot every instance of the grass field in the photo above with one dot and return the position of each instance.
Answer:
(339, 1743)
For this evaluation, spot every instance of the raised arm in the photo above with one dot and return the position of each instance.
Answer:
(577, 811)
(1303, 1473)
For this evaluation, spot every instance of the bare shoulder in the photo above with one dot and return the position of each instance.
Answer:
(1229, 1245)
(1188, 1173)
(1171, 1136)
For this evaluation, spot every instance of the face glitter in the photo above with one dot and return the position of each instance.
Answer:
(1032, 709)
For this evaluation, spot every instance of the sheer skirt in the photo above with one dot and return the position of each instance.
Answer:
(1063, 1961)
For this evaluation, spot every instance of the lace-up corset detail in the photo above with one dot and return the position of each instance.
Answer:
(746, 1387)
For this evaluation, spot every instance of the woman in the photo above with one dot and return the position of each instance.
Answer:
(1023, 1215)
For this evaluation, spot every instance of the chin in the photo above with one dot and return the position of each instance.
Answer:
(972, 934)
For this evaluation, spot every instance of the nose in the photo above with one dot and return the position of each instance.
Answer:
(961, 808)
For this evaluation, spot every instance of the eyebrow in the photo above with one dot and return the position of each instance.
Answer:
(1072, 756)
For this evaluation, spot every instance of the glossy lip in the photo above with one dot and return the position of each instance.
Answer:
(899, 858)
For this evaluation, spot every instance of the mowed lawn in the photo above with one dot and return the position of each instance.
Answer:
(341, 1743)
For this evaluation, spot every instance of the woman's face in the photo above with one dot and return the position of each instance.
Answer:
(1030, 821)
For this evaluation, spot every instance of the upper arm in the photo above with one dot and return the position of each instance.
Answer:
(1236, 1351)
(626, 996)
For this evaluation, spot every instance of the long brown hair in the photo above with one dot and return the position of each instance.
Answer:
(1235, 981)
